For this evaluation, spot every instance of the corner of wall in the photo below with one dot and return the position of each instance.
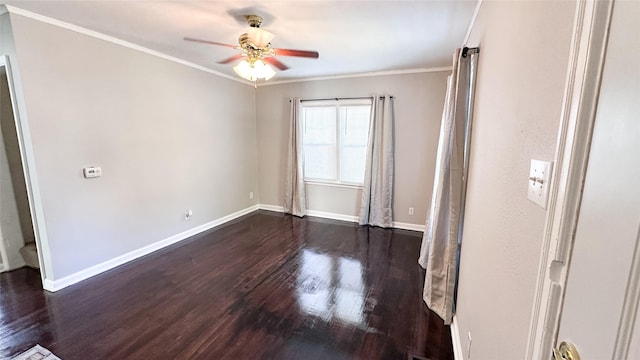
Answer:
(257, 147)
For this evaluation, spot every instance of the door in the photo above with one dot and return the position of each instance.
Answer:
(601, 299)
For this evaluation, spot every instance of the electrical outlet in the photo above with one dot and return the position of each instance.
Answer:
(469, 345)
(188, 214)
(410, 211)
(251, 195)
(92, 172)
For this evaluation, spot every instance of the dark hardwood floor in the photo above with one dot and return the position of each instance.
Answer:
(265, 286)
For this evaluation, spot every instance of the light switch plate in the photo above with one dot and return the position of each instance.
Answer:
(539, 181)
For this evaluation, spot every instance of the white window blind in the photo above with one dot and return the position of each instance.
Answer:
(335, 140)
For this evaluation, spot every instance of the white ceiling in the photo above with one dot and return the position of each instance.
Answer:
(351, 36)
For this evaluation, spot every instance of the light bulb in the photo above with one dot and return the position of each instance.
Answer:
(252, 72)
(245, 70)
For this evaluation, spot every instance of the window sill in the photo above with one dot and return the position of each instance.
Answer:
(331, 184)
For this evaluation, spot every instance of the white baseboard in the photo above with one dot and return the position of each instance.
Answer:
(408, 226)
(342, 217)
(456, 340)
(55, 285)
(333, 216)
(271, 208)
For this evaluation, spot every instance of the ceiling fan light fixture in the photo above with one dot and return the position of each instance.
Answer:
(259, 36)
(255, 47)
(243, 69)
(263, 70)
(258, 69)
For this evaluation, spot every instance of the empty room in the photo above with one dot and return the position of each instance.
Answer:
(422, 180)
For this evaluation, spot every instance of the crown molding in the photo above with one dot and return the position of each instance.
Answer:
(108, 38)
(358, 75)
(472, 22)
(97, 35)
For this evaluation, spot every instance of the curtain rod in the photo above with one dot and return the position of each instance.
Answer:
(344, 98)
(473, 50)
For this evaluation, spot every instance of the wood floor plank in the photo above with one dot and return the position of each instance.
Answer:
(266, 286)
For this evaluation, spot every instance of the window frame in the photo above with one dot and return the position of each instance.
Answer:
(336, 104)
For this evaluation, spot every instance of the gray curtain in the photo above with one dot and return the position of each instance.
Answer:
(295, 197)
(377, 194)
(439, 252)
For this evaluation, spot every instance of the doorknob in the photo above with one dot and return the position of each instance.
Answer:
(566, 351)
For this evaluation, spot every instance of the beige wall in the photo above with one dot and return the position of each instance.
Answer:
(168, 138)
(521, 77)
(418, 104)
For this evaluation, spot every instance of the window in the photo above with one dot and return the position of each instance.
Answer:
(335, 140)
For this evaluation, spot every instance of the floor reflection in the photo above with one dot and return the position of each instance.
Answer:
(331, 288)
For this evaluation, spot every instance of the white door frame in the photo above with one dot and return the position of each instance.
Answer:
(30, 177)
(586, 61)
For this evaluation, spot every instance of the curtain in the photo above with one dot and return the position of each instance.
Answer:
(377, 193)
(295, 197)
(439, 252)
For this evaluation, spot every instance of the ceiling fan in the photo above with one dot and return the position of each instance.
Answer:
(257, 53)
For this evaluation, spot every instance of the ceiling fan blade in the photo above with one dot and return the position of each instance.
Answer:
(299, 53)
(231, 59)
(210, 42)
(275, 62)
